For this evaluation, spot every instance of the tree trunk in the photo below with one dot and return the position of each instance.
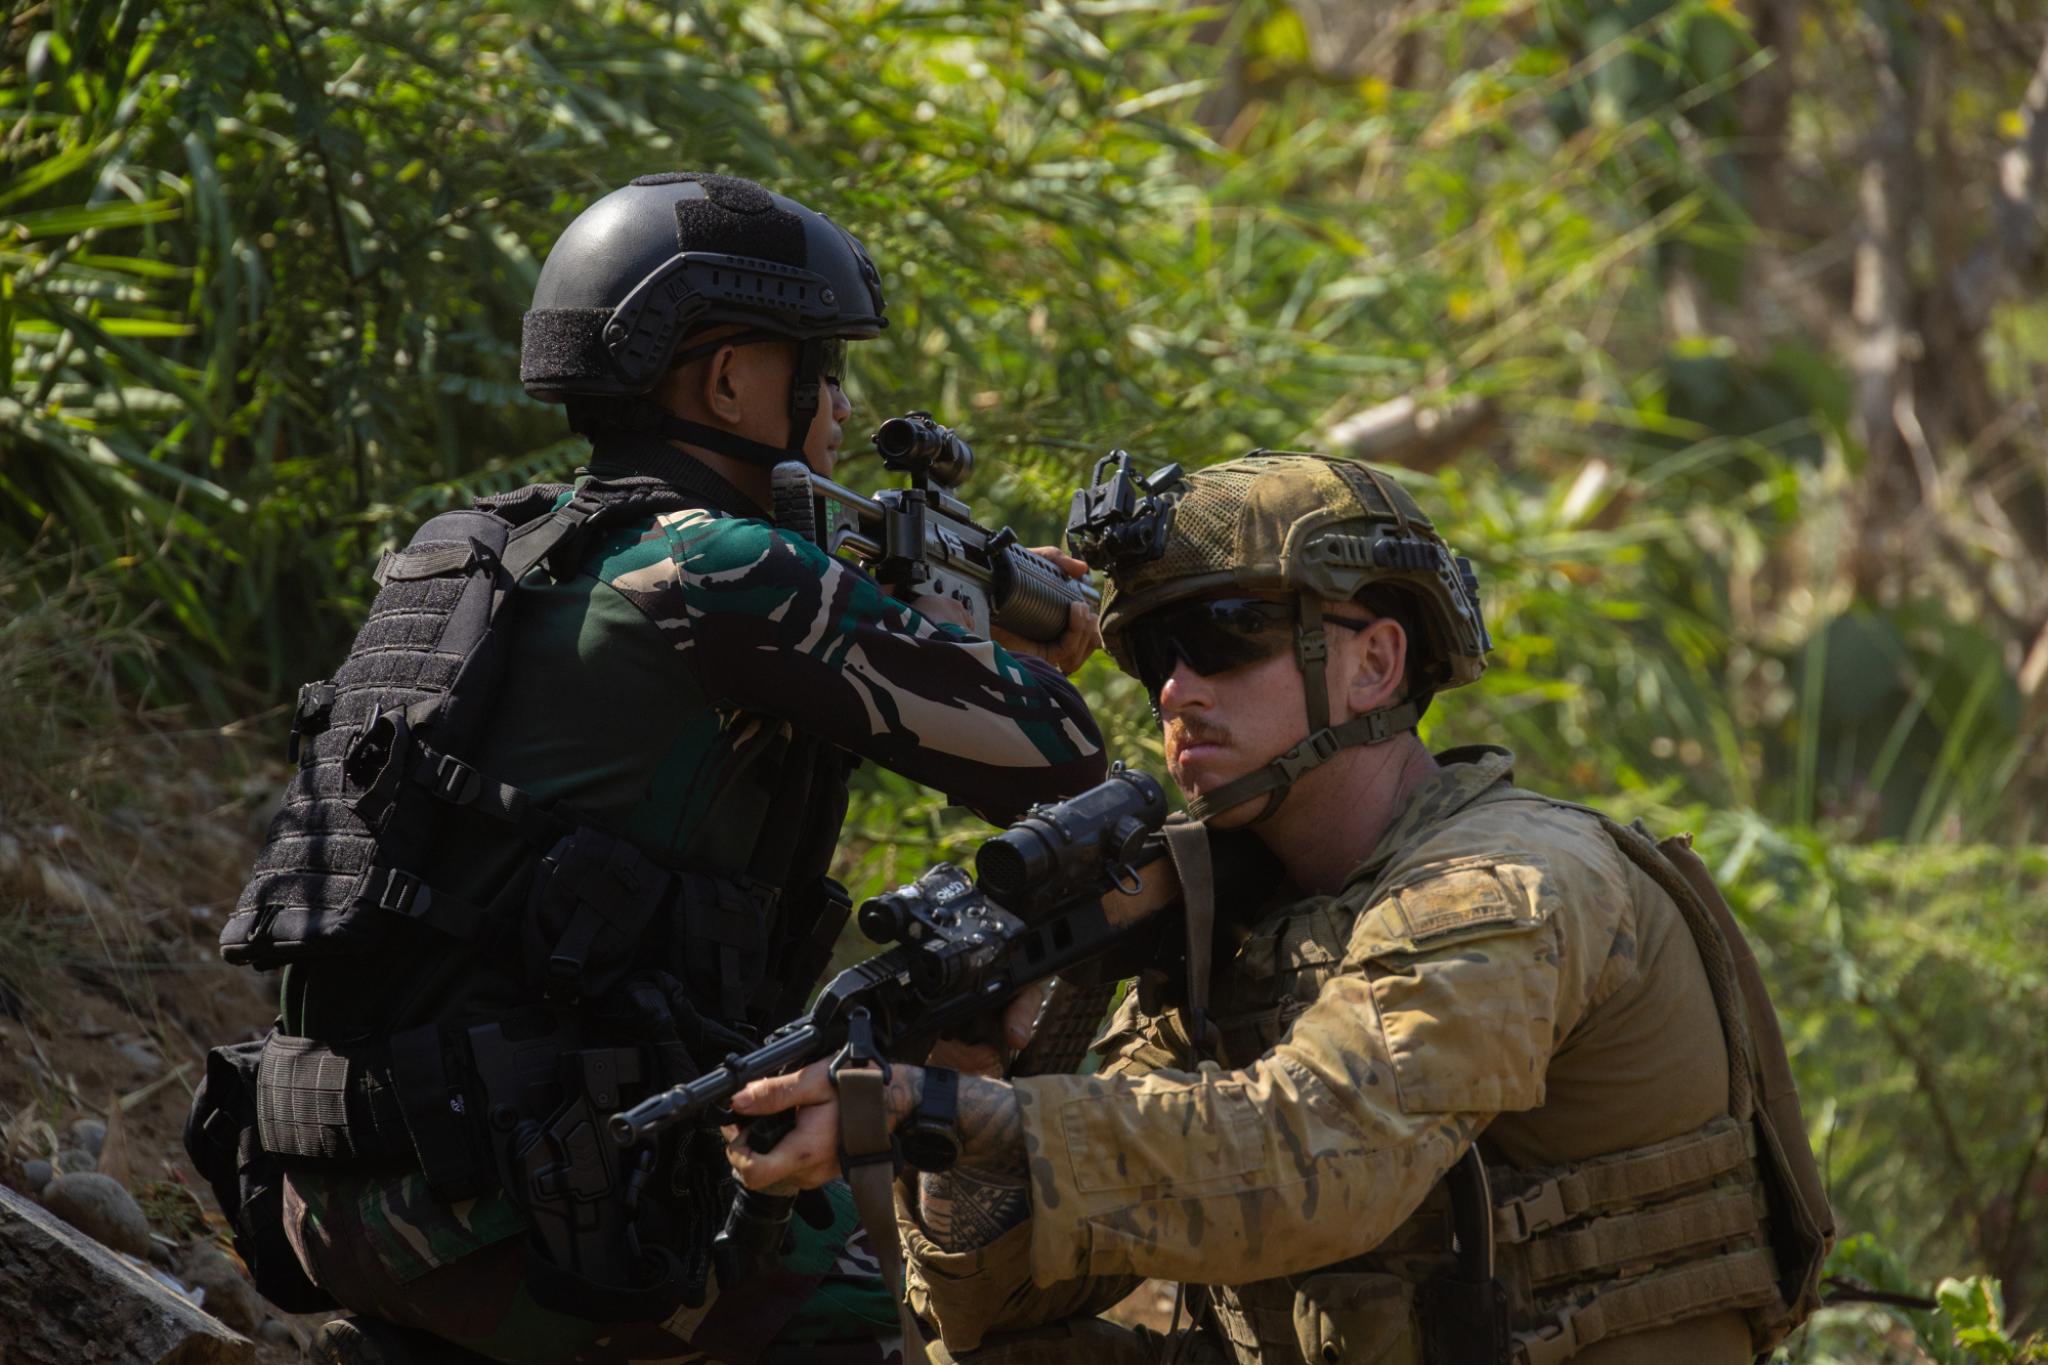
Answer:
(64, 1298)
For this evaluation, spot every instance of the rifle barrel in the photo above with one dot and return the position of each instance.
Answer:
(715, 1087)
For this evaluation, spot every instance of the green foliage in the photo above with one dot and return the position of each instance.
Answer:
(262, 265)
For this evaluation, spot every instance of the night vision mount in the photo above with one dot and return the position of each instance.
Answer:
(1121, 520)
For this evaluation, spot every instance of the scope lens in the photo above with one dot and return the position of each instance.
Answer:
(1012, 861)
(883, 919)
(896, 438)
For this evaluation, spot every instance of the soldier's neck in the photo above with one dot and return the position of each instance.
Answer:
(749, 479)
(1334, 816)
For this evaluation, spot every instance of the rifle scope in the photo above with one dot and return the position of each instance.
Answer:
(1056, 848)
(917, 445)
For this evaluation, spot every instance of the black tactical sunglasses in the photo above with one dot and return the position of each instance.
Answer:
(1214, 635)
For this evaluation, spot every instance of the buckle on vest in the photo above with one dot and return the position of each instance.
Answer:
(455, 781)
(316, 704)
(1551, 1344)
(1535, 1210)
(401, 893)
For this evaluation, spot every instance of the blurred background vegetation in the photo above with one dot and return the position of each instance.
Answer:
(1715, 329)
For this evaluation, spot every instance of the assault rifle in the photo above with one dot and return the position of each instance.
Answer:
(922, 540)
(1057, 891)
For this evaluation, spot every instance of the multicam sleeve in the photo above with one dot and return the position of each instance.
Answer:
(1323, 1146)
(771, 623)
(969, 1294)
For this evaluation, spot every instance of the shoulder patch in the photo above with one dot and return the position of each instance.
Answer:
(1463, 898)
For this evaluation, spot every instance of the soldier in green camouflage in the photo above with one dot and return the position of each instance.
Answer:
(1474, 1080)
(699, 683)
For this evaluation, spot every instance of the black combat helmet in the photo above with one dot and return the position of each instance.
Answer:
(647, 266)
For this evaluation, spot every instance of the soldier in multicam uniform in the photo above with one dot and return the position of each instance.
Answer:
(699, 684)
(1482, 1077)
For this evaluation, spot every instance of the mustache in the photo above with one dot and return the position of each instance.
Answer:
(1183, 732)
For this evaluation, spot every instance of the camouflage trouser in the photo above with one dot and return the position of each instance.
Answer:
(386, 1249)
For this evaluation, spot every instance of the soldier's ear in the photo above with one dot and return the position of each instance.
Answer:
(724, 387)
(1379, 661)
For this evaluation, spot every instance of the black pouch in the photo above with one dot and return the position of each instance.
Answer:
(587, 913)
(220, 1137)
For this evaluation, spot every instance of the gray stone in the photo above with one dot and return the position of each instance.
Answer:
(71, 1161)
(73, 890)
(65, 1299)
(229, 1296)
(141, 1056)
(99, 1207)
(275, 1332)
(37, 1174)
(89, 1135)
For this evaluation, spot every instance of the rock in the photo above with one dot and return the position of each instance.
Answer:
(275, 1332)
(65, 1299)
(89, 1135)
(37, 1174)
(97, 1206)
(229, 1296)
(72, 891)
(71, 1161)
(141, 1056)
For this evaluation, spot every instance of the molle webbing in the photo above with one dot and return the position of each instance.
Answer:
(390, 1103)
(1606, 1246)
(348, 853)
(1644, 1238)
(317, 1104)
(1547, 1200)
(1740, 1279)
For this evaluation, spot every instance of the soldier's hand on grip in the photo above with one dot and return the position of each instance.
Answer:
(1083, 635)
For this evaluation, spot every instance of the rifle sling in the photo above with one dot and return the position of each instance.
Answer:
(1187, 843)
(868, 1154)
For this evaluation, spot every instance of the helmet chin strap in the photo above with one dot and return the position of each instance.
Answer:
(1324, 742)
(644, 414)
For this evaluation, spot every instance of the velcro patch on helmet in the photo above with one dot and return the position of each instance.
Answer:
(739, 218)
(562, 344)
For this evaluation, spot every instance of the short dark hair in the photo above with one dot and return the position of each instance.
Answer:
(1424, 670)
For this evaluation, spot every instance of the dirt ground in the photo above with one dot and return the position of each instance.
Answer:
(117, 866)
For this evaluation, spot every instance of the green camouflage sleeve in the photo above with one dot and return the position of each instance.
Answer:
(770, 623)
(1440, 1015)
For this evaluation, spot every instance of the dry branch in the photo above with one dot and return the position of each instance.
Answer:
(1404, 432)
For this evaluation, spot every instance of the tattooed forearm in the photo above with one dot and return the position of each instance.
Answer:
(963, 1209)
(991, 1129)
(985, 1194)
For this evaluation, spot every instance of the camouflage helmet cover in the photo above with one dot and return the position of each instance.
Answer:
(1290, 522)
